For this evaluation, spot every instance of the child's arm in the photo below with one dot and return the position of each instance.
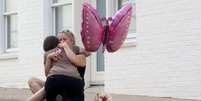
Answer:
(47, 64)
(48, 59)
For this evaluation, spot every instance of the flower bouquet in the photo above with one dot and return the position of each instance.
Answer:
(103, 97)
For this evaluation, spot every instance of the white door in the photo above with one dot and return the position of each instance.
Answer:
(97, 68)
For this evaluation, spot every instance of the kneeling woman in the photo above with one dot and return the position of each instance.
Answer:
(63, 76)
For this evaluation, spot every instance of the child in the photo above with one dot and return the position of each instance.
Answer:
(49, 43)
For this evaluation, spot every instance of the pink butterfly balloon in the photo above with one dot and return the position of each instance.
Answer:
(110, 32)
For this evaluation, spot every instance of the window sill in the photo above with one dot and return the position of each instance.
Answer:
(130, 41)
(8, 56)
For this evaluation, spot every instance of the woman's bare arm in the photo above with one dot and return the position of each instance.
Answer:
(85, 52)
(79, 60)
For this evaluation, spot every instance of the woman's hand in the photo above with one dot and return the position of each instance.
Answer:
(85, 52)
(63, 44)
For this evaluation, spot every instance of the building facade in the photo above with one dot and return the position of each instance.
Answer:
(160, 56)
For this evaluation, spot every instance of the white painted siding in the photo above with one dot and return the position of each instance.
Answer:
(166, 61)
(15, 73)
(35, 22)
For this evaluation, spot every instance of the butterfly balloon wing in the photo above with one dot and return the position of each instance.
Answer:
(92, 28)
(119, 27)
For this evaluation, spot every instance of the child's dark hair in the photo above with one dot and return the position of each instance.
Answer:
(50, 42)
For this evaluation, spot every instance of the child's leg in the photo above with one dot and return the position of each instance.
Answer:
(35, 84)
(38, 96)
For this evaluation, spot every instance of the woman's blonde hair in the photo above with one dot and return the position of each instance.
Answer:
(67, 33)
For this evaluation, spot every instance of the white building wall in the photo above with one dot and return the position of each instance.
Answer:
(15, 72)
(166, 60)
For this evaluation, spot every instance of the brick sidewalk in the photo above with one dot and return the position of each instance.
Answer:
(13, 94)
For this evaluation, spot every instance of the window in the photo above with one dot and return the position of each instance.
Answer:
(10, 25)
(93, 2)
(133, 20)
(62, 15)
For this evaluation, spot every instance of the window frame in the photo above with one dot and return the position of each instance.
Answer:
(4, 29)
(53, 7)
(5, 53)
(132, 34)
(2, 35)
(131, 37)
